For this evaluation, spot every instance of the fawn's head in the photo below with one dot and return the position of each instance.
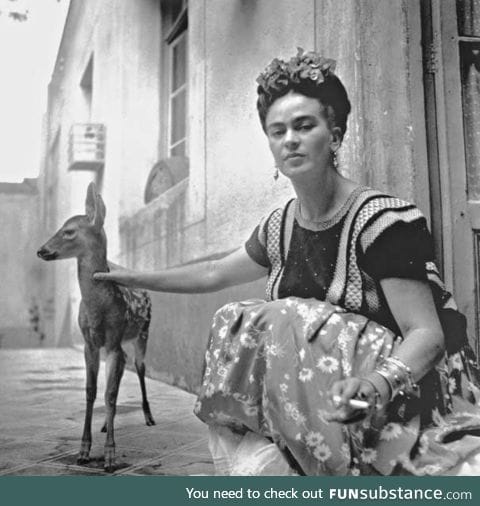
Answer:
(79, 234)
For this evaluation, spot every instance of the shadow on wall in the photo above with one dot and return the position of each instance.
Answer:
(32, 336)
(19, 337)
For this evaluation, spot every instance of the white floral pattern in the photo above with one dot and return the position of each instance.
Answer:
(209, 391)
(456, 361)
(369, 455)
(327, 364)
(305, 374)
(314, 438)
(391, 431)
(322, 452)
(284, 394)
(247, 341)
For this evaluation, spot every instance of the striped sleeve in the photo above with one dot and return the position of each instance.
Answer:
(396, 243)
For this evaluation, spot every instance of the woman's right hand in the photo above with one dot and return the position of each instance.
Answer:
(202, 277)
(122, 277)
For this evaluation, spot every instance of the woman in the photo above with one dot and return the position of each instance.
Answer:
(355, 316)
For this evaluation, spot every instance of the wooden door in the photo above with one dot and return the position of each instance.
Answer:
(453, 56)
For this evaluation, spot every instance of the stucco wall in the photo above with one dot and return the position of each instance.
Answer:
(377, 45)
(239, 164)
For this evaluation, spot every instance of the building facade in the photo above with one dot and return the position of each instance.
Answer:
(166, 89)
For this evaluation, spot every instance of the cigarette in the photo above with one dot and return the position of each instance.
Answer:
(353, 403)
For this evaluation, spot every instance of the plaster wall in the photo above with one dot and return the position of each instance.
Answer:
(377, 45)
(239, 176)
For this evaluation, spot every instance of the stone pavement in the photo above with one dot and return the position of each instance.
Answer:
(42, 402)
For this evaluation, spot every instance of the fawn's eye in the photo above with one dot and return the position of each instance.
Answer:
(69, 234)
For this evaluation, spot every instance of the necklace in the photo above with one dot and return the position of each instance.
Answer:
(327, 223)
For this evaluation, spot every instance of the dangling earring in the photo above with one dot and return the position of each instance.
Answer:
(334, 160)
(275, 173)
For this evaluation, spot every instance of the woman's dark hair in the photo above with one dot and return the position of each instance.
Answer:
(308, 74)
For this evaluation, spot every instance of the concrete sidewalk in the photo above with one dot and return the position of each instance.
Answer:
(42, 402)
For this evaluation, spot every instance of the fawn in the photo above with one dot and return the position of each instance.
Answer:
(109, 315)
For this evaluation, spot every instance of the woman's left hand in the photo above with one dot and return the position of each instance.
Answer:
(343, 392)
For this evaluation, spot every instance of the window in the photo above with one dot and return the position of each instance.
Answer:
(86, 87)
(176, 70)
(468, 19)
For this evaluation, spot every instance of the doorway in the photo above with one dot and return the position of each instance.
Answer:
(451, 53)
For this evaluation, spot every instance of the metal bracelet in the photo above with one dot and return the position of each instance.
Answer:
(398, 375)
(411, 385)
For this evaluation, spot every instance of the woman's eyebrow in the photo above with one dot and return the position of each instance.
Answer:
(298, 119)
(305, 117)
(276, 124)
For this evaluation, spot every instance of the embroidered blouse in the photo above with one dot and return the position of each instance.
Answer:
(372, 237)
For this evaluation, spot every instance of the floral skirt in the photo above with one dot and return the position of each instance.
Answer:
(270, 365)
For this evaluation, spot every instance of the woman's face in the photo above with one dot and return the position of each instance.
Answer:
(299, 136)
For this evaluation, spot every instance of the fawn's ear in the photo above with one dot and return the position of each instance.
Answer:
(90, 202)
(100, 211)
(94, 207)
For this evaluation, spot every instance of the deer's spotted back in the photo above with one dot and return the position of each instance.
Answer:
(138, 306)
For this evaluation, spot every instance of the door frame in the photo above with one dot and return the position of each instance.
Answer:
(449, 193)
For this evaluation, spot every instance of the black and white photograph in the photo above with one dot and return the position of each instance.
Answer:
(240, 238)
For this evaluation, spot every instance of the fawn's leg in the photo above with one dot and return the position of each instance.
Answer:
(92, 361)
(140, 349)
(115, 364)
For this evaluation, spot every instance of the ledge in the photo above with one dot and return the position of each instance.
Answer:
(168, 197)
(162, 202)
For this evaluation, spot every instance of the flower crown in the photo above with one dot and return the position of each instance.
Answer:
(302, 66)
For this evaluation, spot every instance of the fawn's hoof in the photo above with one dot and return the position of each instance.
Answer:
(148, 414)
(84, 454)
(109, 465)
